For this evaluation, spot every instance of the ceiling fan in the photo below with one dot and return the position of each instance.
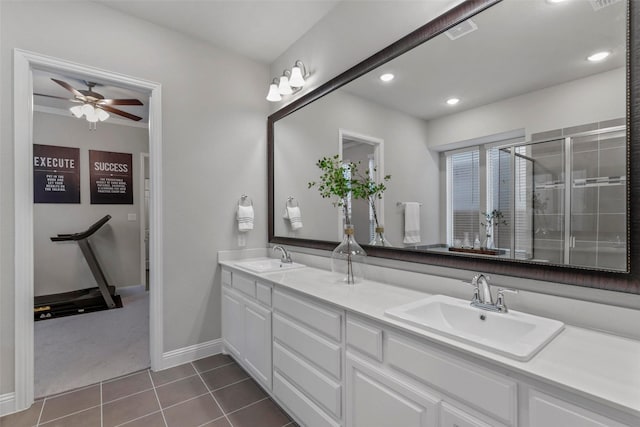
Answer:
(94, 105)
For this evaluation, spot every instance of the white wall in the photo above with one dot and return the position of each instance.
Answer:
(214, 148)
(312, 132)
(60, 266)
(588, 100)
(350, 33)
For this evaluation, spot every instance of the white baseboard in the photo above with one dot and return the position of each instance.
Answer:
(189, 354)
(7, 403)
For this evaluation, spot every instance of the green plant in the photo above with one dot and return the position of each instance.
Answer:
(342, 180)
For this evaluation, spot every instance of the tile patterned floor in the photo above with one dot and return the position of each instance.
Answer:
(211, 392)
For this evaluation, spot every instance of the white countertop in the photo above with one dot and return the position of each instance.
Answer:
(593, 364)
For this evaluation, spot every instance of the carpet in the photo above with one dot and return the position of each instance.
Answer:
(76, 351)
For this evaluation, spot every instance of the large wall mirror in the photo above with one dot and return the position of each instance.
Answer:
(507, 143)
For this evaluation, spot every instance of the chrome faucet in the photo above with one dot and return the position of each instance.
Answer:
(285, 258)
(482, 295)
(482, 290)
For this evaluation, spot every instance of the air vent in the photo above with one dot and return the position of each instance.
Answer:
(464, 28)
(601, 4)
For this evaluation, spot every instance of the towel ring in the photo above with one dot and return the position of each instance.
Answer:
(243, 200)
(290, 202)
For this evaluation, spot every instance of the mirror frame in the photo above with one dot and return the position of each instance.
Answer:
(627, 281)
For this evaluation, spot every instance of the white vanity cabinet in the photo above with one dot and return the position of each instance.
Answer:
(330, 366)
(545, 410)
(246, 324)
(393, 375)
(307, 359)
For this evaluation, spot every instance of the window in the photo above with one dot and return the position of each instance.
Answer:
(463, 195)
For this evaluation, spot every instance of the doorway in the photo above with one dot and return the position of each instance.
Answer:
(24, 64)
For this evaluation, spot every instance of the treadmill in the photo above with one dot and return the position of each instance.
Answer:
(85, 300)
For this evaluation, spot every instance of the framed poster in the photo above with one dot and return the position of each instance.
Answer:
(56, 174)
(111, 178)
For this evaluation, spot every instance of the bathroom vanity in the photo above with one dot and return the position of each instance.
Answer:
(328, 354)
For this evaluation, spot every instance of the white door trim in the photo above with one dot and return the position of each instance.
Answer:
(24, 63)
(143, 219)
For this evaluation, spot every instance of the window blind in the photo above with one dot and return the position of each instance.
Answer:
(463, 188)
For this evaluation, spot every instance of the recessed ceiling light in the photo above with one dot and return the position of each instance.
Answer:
(452, 101)
(598, 56)
(387, 77)
(555, 1)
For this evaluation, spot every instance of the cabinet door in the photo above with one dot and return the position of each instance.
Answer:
(376, 399)
(257, 349)
(233, 322)
(547, 411)
(454, 417)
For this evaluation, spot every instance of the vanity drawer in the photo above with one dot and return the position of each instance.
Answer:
(305, 411)
(318, 350)
(474, 385)
(244, 285)
(450, 416)
(364, 337)
(321, 388)
(319, 318)
(226, 277)
(263, 293)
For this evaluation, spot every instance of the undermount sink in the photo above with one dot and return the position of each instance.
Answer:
(513, 334)
(268, 265)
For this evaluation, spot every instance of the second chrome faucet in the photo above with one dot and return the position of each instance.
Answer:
(482, 295)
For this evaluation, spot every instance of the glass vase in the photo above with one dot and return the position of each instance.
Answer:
(379, 239)
(348, 258)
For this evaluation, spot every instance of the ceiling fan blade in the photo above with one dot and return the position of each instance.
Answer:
(120, 102)
(68, 87)
(120, 112)
(57, 97)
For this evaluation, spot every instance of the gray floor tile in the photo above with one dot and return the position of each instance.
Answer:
(69, 403)
(239, 395)
(262, 414)
(223, 376)
(87, 418)
(129, 408)
(212, 362)
(193, 413)
(153, 420)
(180, 391)
(125, 386)
(220, 422)
(26, 418)
(172, 374)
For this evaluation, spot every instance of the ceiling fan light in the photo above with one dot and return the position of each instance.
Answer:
(77, 111)
(283, 87)
(88, 110)
(296, 80)
(102, 115)
(273, 95)
(92, 117)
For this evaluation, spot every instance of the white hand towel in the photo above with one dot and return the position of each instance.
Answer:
(245, 218)
(294, 215)
(412, 222)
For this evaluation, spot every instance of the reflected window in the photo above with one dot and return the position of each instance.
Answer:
(463, 194)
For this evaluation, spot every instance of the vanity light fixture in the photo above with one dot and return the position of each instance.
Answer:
(289, 82)
(387, 77)
(453, 101)
(598, 56)
(274, 95)
(297, 75)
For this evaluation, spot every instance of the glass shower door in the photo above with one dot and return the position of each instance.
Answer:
(597, 235)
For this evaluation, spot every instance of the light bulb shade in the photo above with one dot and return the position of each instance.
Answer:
(284, 88)
(77, 111)
(102, 115)
(296, 80)
(91, 116)
(273, 95)
(88, 109)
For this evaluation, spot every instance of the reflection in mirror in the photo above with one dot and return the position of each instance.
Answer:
(530, 164)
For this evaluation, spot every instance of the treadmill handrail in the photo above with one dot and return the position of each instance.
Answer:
(83, 234)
